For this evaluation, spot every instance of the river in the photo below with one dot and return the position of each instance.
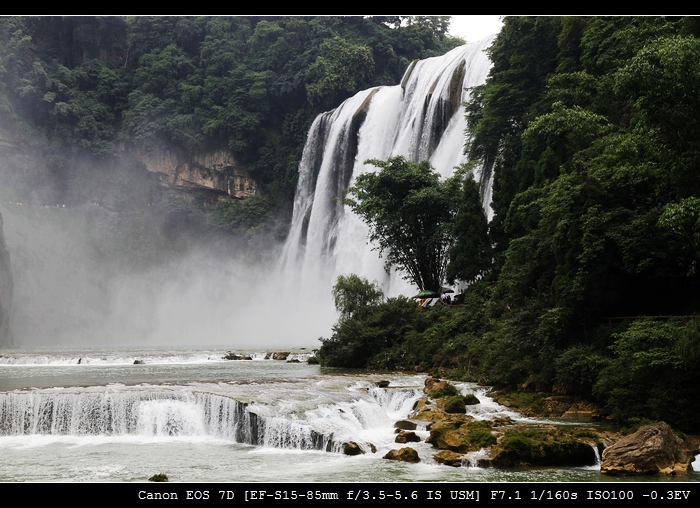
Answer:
(94, 415)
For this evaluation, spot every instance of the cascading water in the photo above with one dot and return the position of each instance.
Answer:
(419, 119)
(147, 413)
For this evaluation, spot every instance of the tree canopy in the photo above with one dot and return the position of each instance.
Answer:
(409, 212)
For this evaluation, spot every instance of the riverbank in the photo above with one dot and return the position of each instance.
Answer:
(461, 439)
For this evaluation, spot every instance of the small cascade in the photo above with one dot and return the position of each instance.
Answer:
(421, 118)
(472, 459)
(185, 413)
(596, 452)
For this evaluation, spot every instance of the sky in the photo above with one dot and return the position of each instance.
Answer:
(474, 28)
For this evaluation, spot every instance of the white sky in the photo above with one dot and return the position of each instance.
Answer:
(474, 28)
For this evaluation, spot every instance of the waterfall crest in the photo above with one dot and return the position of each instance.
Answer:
(192, 414)
(421, 118)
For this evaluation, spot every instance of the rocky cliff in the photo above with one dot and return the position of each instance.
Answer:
(216, 170)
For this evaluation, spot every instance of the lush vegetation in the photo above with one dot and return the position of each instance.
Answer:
(591, 128)
(96, 86)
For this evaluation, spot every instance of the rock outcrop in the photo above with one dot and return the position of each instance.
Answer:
(653, 449)
(216, 170)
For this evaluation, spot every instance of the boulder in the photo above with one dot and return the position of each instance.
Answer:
(435, 388)
(449, 458)
(471, 400)
(653, 449)
(352, 448)
(461, 437)
(405, 425)
(407, 454)
(455, 404)
(407, 437)
(543, 445)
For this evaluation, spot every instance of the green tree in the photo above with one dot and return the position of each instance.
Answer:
(353, 295)
(410, 213)
(339, 70)
(470, 255)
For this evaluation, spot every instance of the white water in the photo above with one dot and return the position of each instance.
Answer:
(421, 118)
(219, 421)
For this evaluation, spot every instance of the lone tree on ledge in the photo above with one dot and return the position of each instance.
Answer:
(410, 213)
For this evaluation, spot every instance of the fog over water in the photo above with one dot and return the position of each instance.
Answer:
(69, 291)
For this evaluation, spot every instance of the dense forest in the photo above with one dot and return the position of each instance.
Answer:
(95, 86)
(585, 281)
(591, 286)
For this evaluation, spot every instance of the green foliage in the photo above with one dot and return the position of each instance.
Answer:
(249, 84)
(410, 214)
(651, 375)
(340, 69)
(159, 477)
(353, 295)
(470, 256)
(243, 217)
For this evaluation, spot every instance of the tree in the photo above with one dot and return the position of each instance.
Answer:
(353, 295)
(470, 256)
(410, 215)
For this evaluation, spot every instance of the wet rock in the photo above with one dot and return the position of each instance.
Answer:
(471, 400)
(405, 425)
(234, 356)
(461, 437)
(382, 384)
(139, 362)
(543, 445)
(280, 355)
(653, 449)
(435, 388)
(352, 448)
(448, 458)
(455, 404)
(406, 454)
(407, 437)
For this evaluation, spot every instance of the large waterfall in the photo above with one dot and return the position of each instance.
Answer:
(421, 118)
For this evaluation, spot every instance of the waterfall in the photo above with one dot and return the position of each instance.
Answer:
(148, 413)
(421, 118)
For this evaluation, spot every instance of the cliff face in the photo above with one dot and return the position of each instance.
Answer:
(6, 289)
(216, 171)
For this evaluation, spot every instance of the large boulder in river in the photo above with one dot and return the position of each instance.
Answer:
(435, 388)
(406, 454)
(653, 449)
(448, 458)
(352, 448)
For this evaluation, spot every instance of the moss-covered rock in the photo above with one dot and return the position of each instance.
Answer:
(464, 438)
(455, 404)
(542, 446)
(437, 388)
(471, 400)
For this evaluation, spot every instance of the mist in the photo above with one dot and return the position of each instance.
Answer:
(85, 275)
